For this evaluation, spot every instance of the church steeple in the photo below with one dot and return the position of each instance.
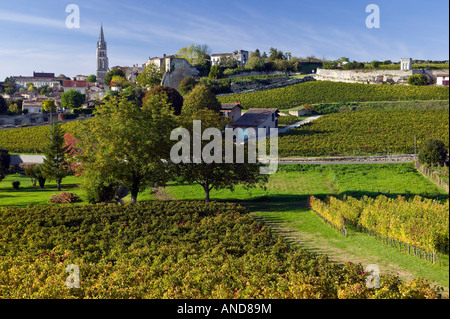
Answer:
(102, 58)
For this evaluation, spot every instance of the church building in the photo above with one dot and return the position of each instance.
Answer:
(102, 58)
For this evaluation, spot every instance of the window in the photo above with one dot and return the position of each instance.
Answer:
(273, 117)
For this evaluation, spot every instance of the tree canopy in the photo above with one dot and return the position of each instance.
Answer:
(201, 97)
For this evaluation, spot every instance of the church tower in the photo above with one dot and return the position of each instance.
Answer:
(102, 58)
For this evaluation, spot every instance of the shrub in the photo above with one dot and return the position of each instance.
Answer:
(433, 153)
(417, 79)
(201, 97)
(5, 159)
(187, 85)
(174, 98)
(65, 198)
(16, 185)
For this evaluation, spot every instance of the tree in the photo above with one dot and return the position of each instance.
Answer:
(218, 174)
(375, 64)
(3, 105)
(417, 79)
(5, 160)
(92, 78)
(112, 73)
(255, 63)
(120, 81)
(433, 152)
(72, 99)
(132, 144)
(215, 72)
(55, 165)
(187, 85)
(10, 85)
(200, 97)
(151, 76)
(195, 54)
(170, 95)
(49, 106)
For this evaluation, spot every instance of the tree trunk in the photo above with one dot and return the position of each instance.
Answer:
(207, 191)
(134, 191)
(58, 184)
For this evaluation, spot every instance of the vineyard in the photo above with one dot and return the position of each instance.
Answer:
(368, 132)
(170, 250)
(331, 92)
(417, 226)
(28, 139)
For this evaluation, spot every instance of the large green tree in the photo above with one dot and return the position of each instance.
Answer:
(127, 144)
(55, 165)
(151, 76)
(72, 99)
(216, 174)
(201, 97)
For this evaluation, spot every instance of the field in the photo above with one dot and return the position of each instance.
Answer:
(27, 140)
(368, 132)
(282, 204)
(331, 92)
(170, 250)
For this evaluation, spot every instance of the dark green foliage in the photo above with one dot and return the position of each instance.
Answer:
(433, 152)
(16, 185)
(417, 79)
(55, 165)
(72, 99)
(201, 97)
(3, 105)
(5, 160)
(174, 98)
(187, 85)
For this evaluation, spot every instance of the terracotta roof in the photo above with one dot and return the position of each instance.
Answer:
(254, 117)
(72, 84)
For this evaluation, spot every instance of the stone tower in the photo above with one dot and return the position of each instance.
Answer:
(406, 64)
(102, 58)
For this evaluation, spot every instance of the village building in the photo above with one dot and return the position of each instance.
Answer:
(257, 119)
(233, 111)
(38, 80)
(80, 86)
(240, 56)
(442, 79)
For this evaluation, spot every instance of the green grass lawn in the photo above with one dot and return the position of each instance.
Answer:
(27, 195)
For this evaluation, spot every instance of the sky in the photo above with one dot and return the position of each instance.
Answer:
(34, 35)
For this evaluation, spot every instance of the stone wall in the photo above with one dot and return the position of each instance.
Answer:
(179, 70)
(375, 76)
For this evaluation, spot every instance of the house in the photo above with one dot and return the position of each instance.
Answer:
(32, 107)
(233, 111)
(80, 86)
(240, 56)
(38, 79)
(80, 77)
(442, 79)
(163, 63)
(257, 119)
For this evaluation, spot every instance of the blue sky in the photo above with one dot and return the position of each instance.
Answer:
(34, 36)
